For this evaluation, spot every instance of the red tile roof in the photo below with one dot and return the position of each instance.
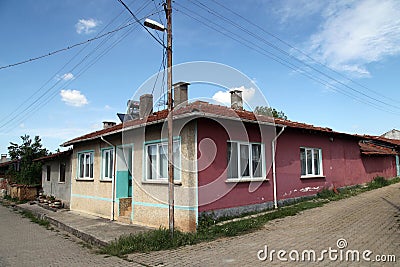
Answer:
(4, 164)
(374, 149)
(204, 109)
(55, 155)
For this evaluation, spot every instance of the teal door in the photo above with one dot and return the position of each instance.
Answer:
(124, 172)
(398, 165)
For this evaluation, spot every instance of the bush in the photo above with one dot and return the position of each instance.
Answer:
(326, 194)
(378, 182)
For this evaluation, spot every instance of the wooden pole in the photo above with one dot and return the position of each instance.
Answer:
(171, 204)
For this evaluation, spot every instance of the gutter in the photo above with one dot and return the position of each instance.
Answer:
(112, 217)
(274, 165)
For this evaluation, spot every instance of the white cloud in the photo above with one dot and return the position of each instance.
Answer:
(224, 97)
(354, 34)
(107, 107)
(67, 76)
(86, 26)
(73, 98)
(295, 10)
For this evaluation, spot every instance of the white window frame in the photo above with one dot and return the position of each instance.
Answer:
(107, 176)
(312, 174)
(177, 162)
(91, 169)
(240, 178)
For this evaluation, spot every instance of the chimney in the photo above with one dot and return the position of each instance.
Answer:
(180, 93)
(236, 100)
(145, 105)
(3, 158)
(108, 124)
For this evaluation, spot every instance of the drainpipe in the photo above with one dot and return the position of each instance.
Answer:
(274, 165)
(113, 178)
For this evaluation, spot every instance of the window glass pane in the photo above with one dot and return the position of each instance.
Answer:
(309, 161)
(316, 162)
(232, 160)
(87, 165)
(62, 172)
(111, 168)
(48, 172)
(244, 160)
(163, 150)
(106, 163)
(81, 165)
(91, 165)
(177, 163)
(256, 160)
(151, 161)
(303, 161)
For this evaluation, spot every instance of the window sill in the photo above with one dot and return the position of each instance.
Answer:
(244, 180)
(85, 179)
(161, 182)
(312, 176)
(61, 182)
(105, 180)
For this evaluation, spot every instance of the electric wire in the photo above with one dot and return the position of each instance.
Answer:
(282, 61)
(260, 38)
(49, 98)
(303, 53)
(138, 21)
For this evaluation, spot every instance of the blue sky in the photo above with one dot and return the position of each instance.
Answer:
(70, 93)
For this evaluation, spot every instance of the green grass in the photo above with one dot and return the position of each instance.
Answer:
(33, 218)
(160, 239)
(208, 228)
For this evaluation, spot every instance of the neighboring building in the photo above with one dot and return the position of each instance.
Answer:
(6, 165)
(225, 163)
(392, 134)
(4, 158)
(56, 176)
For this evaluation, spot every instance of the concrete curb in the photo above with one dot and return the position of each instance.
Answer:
(79, 234)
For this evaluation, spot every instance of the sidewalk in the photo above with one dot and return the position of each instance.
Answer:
(92, 229)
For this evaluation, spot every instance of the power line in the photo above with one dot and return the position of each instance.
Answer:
(260, 38)
(280, 60)
(303, 53)
(285, 62)
(138, 21)
(66, 48)
(32, 108)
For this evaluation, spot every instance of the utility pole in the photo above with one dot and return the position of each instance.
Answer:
(171, 198)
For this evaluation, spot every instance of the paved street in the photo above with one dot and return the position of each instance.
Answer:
(24, 243)
(370, 221)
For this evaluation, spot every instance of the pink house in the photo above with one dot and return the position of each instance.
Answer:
(227, 161)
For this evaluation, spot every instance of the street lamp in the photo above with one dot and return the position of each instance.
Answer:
(154, 25)
(159, 27)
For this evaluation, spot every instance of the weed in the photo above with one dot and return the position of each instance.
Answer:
(35, 219)
(377, 182)
(208, 228)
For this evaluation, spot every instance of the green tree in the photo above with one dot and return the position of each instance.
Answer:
(28, 172)
(268, 111)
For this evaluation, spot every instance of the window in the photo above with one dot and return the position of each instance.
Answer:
(62, 172)
(157, 161)
(311, 162)
(48, 170)
(85, 161)
(107, 164)
(245, 160)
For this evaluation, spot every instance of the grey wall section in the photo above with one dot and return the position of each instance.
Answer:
(60, 190)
